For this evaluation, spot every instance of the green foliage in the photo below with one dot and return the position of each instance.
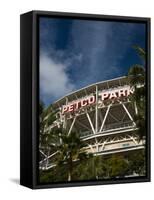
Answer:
(141, 124)
(140, 51)
(98, 168)
(69, 149)
(136, 75)
(137, 163)
(136, 78)
(56, 174)
(89, 169)
(117, 166)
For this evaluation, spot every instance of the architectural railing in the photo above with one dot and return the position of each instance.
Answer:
(110, 127)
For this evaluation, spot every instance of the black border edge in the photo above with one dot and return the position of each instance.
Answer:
(26, 172)
(90, 16)
(35, 98)
(148, 82)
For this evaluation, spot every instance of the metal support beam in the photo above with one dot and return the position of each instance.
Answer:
(100, 115)
(113, 117)
(90, 122)
(107, 111)
(96, 110)
(102, 147)
(129, 115)
(71, 126)
(91, 147)
(83, 125)
(47, 157)
(136, 110)
(47, 160)
(121, 150)
(43, 153)
(135, 142)
(108, 133)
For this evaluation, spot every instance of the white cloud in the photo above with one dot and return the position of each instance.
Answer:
(54, 81)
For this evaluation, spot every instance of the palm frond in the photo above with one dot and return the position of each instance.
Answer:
(140, 51)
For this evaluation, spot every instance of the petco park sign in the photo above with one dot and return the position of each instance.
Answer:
(102, 96)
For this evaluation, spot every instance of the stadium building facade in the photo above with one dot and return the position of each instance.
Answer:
(103, 116)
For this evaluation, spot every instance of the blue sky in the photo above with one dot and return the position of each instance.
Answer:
(75, 53)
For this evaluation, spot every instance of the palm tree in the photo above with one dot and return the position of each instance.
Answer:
(96, 167)
(136, 78)
(140, 51)
(116, 166)
(58, 140)
(47, 117)
(90, 168)
(69, 148)
(137, 162)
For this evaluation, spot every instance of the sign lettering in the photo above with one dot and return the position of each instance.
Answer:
(103, 95)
